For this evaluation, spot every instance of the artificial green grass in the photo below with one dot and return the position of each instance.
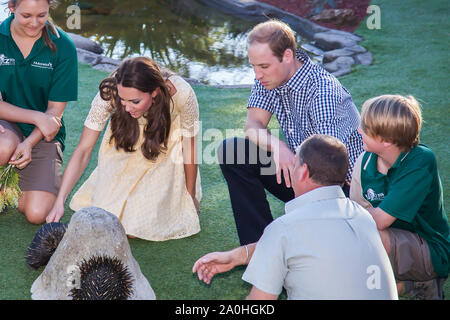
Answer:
(411, 57)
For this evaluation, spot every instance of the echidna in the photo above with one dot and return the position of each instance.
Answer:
(44, 244)
(103, 278)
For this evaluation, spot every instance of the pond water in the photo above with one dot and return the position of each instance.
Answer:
(186, 36)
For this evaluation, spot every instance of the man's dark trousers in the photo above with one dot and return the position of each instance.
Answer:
(249, 171)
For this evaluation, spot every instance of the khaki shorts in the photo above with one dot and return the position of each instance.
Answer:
(44, 172)
(410, 256)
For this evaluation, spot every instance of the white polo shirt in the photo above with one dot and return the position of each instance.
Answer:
(325, 247)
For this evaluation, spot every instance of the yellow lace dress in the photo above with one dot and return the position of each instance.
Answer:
(149, 197)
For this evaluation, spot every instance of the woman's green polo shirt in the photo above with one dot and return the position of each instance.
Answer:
(411, 191)
(42, 77)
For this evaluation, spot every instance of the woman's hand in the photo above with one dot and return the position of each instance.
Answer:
(22, 156)
(56, 213)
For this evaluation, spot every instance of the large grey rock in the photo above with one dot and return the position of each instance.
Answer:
(347, 51)
(364, 58)
(97, 61)
(344, 34)
(91, 232)
(310, 48)
(332, 40)
(340, 66)
(85, 43)
(89, 57)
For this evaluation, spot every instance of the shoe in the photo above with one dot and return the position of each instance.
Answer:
(427, 290)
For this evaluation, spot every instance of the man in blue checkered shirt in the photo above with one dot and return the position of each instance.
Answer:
(306, 100)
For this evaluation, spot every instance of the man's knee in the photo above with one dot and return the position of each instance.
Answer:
(227, 151)
(237, 151)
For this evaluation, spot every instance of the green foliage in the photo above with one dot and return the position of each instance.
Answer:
(9, 187)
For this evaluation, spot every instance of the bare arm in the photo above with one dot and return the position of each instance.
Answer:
(381, 217)
(257, 132)
(190, 165)
(75, 168)
(22, 155)
(219, 262)
(256, 128)
(46, 122)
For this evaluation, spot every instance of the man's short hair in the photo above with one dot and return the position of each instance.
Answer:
(326, 158)
(393, 118)
(277, 34)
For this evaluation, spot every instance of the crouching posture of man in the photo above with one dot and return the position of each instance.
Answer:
(325, 247)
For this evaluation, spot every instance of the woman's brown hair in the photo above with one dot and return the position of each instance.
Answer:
(49, 27)
(144, 75)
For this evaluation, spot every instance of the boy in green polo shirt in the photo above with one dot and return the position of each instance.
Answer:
(397, 181)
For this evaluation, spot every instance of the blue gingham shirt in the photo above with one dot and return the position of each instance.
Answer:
(312, 102)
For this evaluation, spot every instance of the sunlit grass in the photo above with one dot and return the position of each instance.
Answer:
(411, 57)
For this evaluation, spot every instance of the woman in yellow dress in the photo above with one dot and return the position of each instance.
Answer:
(146, 173)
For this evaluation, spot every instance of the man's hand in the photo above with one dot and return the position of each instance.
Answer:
(284, 161)
(216, 262)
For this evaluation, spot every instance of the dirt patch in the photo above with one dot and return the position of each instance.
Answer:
(324, 9)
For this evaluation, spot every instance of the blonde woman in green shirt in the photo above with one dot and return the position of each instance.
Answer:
(39, 75)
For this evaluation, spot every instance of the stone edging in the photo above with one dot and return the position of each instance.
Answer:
(340, 49)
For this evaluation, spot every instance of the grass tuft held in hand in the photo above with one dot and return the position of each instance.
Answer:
(9, 187)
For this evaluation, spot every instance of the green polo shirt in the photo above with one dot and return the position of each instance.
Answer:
(42, 77)
(411, 191)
